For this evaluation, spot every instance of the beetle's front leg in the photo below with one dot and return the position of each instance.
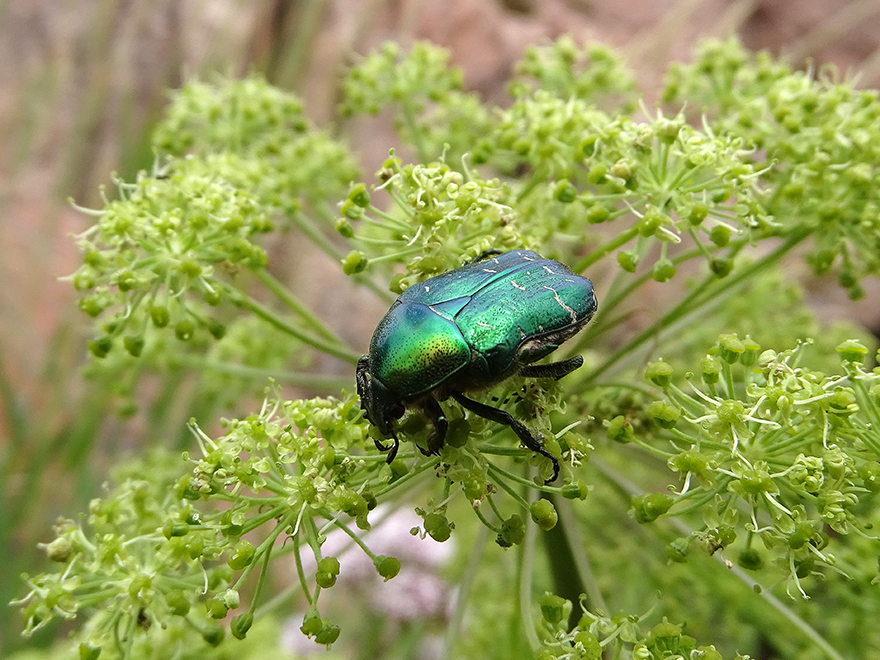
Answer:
(555, 370)
(501, 417)
(438, 419)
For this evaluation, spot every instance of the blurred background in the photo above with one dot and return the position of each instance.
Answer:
(82, 82)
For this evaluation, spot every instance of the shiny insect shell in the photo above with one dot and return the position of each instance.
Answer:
(468, 329)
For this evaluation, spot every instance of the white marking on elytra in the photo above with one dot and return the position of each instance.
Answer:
(427, 288)
(485, 325)
(549, 270)
(489, 270)
(517, 286)
(568, 309)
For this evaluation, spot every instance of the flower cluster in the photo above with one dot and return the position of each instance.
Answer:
(776, 454)
(158, 547)
(239, 157)
(817, 139)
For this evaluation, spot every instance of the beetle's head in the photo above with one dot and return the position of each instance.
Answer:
(380, 406)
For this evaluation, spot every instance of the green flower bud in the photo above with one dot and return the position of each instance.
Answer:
(697, 214)
(184, 330)
(620, 430)
(552, 607)
(344, 228)
(60, 550)
(159, 315)
(355, 262)
(731, 347)
(174, 528)
(565, 192)
(438, 527)
(359, 195)
(213, 296)
(214, 635)
(665, 415)
(217, 329)
(870, 475)
(216, 609)
(329, 565)
(178, 603)
(329, 633)
(711, 368)
(513, 532)
(133, 345)
(241, 555)
(92, 305)
(623, 169)
(628, 260)
(596, 174)
(101, 346)
(325, 580)
(721, 268)
(678, 549)
(659, 373)
(750, 356)
(688, 461)
(241, 624)
(852, 351)
(577, 490)
(387, 567)
(750, 559)
(720, 235)
(88, 652)
(544, 514)
(312, 625)
(597, 214)
(650, 506)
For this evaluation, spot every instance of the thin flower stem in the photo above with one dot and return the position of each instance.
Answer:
(246, 302)
(286, 296)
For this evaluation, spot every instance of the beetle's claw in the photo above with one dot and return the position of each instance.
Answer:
(392, 450)
(555, 462)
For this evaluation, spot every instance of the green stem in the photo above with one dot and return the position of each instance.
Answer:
(284, 295)
(246, 302)
(310, 381)
(708, 289)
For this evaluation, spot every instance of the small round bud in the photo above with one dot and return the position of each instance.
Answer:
(552, 607)
(355, 262)
(184, 330)
(659, 373)
(665, 415)
(241, 624)
(241, 555)
(650, 506)
(544, 514)
(387, 567)
(513, 532)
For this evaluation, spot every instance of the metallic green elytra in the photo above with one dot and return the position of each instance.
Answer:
(468, 329)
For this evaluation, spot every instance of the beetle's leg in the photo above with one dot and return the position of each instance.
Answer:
(555, 370)
(483, 255)
(500, 417)
(392, 450)
(438, 419)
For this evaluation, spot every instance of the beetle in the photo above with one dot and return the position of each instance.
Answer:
(469, 329)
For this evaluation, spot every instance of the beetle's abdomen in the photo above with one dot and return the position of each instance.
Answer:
(414, 349)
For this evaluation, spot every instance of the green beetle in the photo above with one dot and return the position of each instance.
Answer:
(468, 329)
